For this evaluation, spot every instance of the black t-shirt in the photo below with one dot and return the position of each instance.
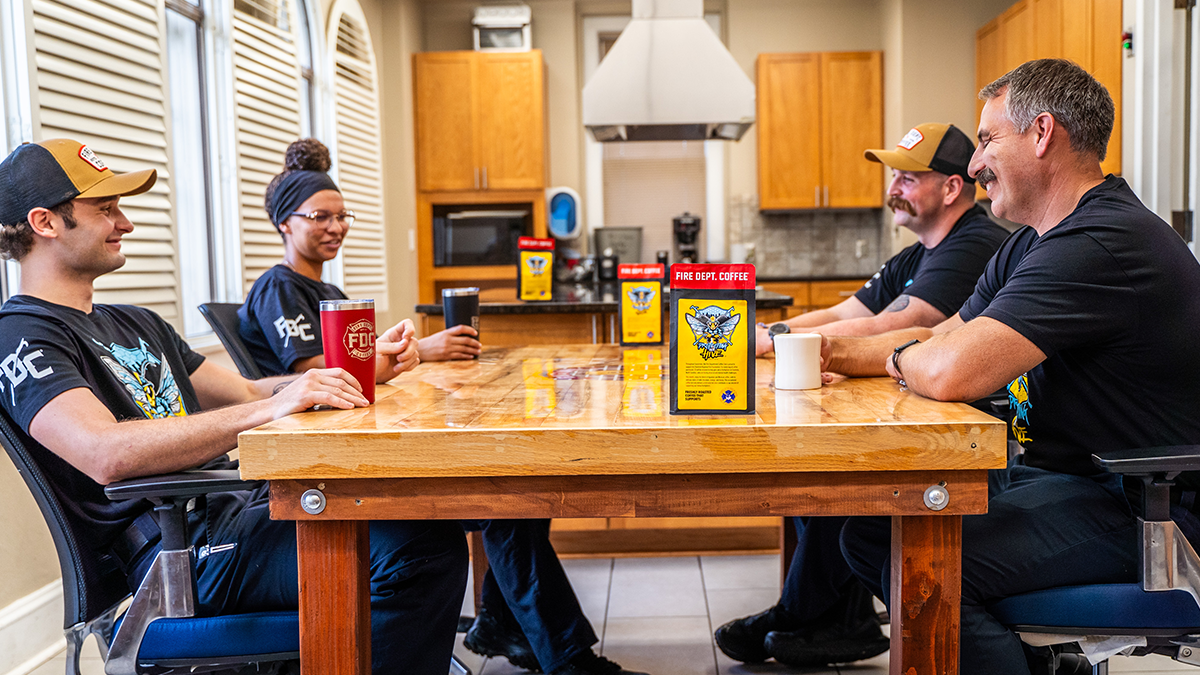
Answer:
(943, 275)
(1110, 296)
(132, 360)
(281, 319)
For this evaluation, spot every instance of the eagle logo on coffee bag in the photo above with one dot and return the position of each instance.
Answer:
(711, 327)
(536, 264)
(640, 297)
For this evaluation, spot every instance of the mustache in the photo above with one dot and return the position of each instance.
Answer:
(984, 177)
(901, 204)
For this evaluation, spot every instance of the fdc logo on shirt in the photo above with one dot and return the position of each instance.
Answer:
(360, 339)
(17, 368)
(290, 328)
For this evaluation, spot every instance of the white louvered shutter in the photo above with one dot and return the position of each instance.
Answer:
(267, 75)
(100, 71)
(359, 164)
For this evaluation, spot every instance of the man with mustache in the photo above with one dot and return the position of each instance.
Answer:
(1088, 315)
(825, 615)
(932, 195)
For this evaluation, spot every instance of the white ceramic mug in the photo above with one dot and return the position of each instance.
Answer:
(798, 361)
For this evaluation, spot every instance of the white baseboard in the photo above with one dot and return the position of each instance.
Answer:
(31, 630)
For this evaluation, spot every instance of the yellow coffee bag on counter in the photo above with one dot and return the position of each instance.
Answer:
(640, 312)
(712, 339)
(535, 269)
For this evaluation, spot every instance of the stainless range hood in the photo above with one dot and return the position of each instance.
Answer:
(668, 77)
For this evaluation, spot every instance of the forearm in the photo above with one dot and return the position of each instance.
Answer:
(269, 386)
(818, 317)
(867, 356)
(154, 446)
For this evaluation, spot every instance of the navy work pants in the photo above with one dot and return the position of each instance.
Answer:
(817, 575)
(1043, 529)
(527, 586)
(418, 577)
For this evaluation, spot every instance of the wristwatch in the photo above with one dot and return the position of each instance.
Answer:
(896, 361)
(778, 329)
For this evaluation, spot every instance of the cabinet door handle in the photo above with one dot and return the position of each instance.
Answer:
(826, 195)
(485, 178)
(816, 195)
(476, 171)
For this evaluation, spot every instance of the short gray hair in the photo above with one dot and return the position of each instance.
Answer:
(1060, 87)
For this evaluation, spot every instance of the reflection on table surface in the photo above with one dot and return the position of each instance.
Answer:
(604, 408)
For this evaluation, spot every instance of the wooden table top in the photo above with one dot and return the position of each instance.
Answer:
(604, 410)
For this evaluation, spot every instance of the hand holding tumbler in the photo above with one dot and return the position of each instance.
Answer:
(348, 337)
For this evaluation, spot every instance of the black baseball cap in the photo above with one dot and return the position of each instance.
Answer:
(58, 170)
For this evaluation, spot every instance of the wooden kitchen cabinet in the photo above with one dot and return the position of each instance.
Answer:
(1087, 32)
(817, 112)
(480, 121)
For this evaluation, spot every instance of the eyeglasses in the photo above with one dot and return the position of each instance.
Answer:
(322, 218)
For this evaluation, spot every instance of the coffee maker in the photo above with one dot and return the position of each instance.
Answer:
(687, 231)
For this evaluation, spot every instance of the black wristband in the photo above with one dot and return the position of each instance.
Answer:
(896, 360)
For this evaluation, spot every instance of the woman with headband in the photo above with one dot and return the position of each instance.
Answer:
(280, 320)
(530, 614)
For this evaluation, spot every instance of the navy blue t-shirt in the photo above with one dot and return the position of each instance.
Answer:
(280, 322)
(943, 275)
(133, 361)
(1110, 296)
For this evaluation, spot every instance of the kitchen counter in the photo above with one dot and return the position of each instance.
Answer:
(578, 313)
(583, 299)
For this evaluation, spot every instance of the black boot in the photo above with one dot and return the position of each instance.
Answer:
(743, 639)
(848, 631)
(489, 637)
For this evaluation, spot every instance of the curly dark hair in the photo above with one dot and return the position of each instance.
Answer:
(306, 154)
(17, 240)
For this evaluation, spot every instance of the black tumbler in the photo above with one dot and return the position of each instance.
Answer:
(461, 307)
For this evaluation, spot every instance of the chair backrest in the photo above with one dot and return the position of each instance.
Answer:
(89, 585)
(223, 317)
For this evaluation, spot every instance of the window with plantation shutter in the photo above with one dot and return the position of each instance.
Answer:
(357, 154)
(99, 79)
(267, 102)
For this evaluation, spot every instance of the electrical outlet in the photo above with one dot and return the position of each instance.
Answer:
(860, 248)
(412, 239)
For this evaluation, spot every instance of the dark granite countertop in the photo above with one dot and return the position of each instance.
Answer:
(580, 298)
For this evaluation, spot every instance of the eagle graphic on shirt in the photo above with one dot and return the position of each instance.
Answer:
(132, 367)
(711, 327)
(640, 297)
(1018, 402)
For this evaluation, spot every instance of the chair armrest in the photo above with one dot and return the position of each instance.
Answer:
(185, 484)
(1170, 459)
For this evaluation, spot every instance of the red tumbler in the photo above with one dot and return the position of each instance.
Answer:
(348, 336)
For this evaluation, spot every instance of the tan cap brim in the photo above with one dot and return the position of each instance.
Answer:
(895, 160)
(122, 185)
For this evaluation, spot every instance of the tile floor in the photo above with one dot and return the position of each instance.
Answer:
(658, 614)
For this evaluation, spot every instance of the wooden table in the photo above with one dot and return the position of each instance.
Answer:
(583, 431)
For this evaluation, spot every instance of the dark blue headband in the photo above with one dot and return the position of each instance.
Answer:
(295, 188)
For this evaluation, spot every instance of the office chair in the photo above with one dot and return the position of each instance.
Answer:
(160, 632)
(223, 317)
(1163, 606)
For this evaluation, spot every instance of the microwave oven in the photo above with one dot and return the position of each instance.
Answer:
(479, 235)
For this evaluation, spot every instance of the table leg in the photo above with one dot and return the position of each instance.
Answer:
(926, 594)
(335, 600)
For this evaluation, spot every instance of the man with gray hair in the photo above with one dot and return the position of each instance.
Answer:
(1088, 315)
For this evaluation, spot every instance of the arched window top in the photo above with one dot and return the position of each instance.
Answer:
(351, 40)
(271, 12)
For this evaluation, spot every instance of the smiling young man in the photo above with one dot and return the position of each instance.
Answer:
(108, 392)
(932, 195)
(824, 615)
(1089, 317)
